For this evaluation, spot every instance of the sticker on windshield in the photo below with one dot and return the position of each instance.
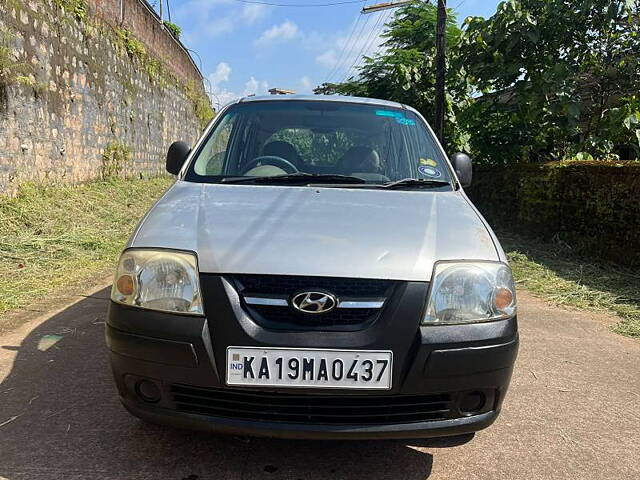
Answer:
(428, 162)
(429, 171)
(406, 121)
(389, 113)
(399, 116)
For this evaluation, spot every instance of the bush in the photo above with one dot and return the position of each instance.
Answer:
(115, 160)
(592, 206)
(201, 103)
(175, 30)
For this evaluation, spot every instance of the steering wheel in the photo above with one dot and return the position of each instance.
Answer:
(279, 162)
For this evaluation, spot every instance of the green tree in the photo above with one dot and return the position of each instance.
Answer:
(405, 70)
(555, 79)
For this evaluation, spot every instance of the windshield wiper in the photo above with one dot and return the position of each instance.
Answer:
(414, 182)
(296, 178)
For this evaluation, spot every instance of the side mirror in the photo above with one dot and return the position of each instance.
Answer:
(176, 156)
(463, 166)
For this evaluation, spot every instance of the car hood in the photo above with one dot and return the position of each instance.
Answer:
(335, 232)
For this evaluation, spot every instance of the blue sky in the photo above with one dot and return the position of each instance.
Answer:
(246, 48)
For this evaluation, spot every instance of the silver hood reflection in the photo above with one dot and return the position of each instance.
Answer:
(335, 232)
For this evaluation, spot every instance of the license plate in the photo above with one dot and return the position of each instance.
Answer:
(309, 368)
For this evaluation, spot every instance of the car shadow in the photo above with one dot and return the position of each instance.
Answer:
(60, 417)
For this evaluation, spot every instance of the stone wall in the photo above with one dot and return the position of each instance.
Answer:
(138, 17)
(73, 95)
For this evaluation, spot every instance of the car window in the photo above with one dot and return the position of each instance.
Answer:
(271, 138)
(322, 148)
(211, 158)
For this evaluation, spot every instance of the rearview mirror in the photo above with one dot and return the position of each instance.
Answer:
(463, 166)
(176, 156)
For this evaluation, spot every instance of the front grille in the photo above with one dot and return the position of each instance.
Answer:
(285, 286)
(286, 317)
(317, 409)
(289, 284)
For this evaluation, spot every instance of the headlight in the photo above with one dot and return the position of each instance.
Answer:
(468, 292)
(158, 280)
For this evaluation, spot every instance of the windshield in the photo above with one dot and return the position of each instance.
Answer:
(315, 139)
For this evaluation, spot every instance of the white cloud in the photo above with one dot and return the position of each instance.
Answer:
(218, 93)
(211, 18)
(254, 12)
(222, 73)
(305, 84)
(221, 95)
(328, 59)
(255, 87)
(286, 31)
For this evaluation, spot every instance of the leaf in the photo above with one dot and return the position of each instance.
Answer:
(632, 119)
(629, 4)
(533, 35)
(574, 109)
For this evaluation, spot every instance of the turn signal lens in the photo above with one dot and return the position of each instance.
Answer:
(125, 285)
(503, 299)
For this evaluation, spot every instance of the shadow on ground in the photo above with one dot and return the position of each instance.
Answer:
(70, 424)
(596, 283)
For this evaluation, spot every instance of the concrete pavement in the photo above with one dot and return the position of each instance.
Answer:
(572, 413)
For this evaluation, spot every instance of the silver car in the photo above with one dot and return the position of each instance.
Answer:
(316, 271)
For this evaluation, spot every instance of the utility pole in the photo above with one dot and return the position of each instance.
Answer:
(441, 68)
(161, 11)
(441, 29)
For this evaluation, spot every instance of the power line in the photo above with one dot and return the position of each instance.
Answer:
(347, 48)
(298, 5)
(364, 45)
(340, 58)
(369, 41)
(360, 35)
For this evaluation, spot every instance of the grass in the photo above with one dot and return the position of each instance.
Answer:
(552, 271)
(62, 237)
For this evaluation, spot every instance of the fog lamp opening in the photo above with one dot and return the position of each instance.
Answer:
(148, 391)
(472, 403)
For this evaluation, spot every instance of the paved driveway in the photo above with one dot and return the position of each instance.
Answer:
(573, 412)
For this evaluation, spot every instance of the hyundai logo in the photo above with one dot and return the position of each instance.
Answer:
(314, 302)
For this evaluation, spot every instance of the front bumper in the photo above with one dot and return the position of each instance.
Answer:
(458, 426)
(173, 351)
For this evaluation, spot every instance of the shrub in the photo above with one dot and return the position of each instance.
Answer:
(591, 205)
(175, 30)
(201, 103)
(77, 7)
(115, 158)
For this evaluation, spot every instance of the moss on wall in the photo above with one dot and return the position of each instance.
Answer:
(116, 158)
(78, 8)
(11, 69)
(201, 104)
(592, 206)
(73, 86)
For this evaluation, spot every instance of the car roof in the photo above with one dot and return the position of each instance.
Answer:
(323, 98)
